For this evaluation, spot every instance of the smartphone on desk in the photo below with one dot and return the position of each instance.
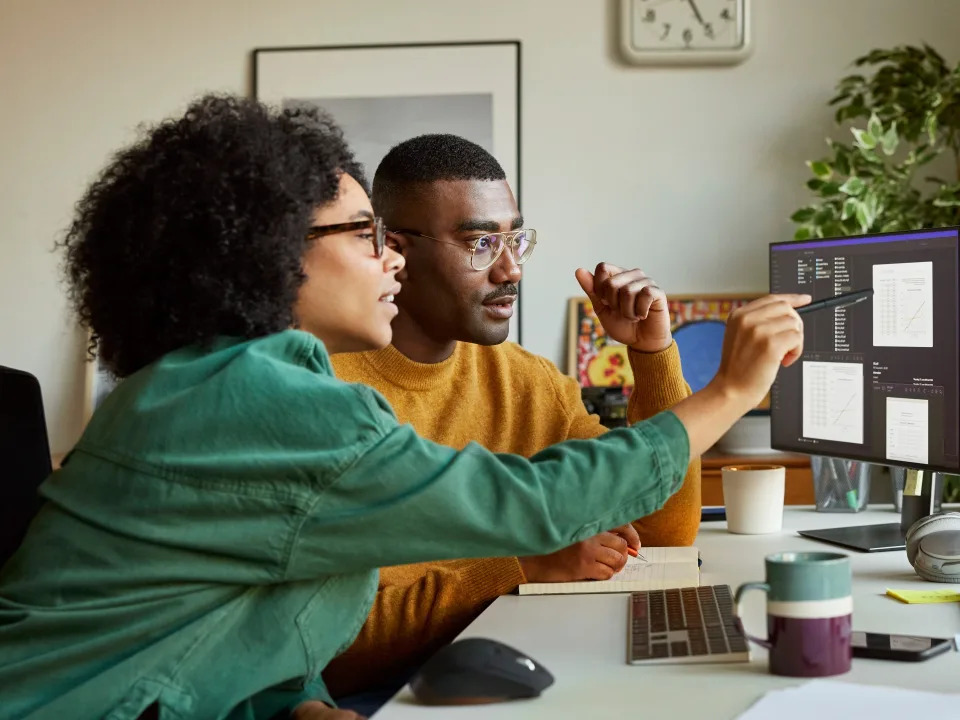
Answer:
(897, 647)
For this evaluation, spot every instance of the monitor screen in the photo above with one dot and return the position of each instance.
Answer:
(878, 381)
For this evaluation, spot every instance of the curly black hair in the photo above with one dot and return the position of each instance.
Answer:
(427, 159)
(198, 229)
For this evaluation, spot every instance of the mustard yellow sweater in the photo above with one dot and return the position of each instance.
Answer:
(510, 401)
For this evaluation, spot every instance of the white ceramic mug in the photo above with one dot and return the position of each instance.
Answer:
(753, 496)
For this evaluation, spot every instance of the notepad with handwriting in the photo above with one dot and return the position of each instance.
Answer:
(659, 569)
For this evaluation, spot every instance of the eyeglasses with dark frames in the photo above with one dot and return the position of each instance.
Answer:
(379, 238)
(485, 250)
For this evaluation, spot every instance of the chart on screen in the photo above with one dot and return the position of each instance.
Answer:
(833, 401)
(903, 305)
(907, 429)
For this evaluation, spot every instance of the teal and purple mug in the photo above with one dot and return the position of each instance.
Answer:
(809, 613)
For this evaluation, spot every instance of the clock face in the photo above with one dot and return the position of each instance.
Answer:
(686, 25)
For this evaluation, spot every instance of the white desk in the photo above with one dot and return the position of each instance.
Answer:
(581, 639)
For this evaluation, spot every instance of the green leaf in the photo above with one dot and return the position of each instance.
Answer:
(804, 214)
(874, 57)
(936, 57)
(852, 111)
(814, 184)
(949, 196)
(850, 80)
(947, 202)
(853, 186)
(803, 233)
(829, 189)
(890, 140)
(874, 127)
(833, 229)
(867, 210)
(849, 208)
(824, 215)
(931, 126)
(820, 169)
(842, 163)
(864, 139)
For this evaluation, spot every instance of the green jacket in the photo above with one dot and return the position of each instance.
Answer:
(212, 540)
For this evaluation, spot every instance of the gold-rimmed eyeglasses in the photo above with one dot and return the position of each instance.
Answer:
(485, 250)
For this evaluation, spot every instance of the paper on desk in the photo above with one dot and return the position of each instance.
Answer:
(925, 596)
(833, 700)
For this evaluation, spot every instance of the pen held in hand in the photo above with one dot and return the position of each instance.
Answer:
(837, 301)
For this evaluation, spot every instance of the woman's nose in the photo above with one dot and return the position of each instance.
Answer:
(392, 260)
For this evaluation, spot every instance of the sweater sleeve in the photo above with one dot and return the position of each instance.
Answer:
(678, 522)
(659, 385)
(419, 608)
(406, 499)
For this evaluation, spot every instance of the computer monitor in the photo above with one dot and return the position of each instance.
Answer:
(878, 381)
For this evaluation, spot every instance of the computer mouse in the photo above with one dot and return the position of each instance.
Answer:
(476, 671)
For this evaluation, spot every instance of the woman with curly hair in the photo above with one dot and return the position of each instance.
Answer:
(212, 540)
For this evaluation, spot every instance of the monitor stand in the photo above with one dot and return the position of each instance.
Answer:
(865, 538)
(886, 536)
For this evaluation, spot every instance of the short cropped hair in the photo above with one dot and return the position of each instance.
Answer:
(430, 158)
(198, 229)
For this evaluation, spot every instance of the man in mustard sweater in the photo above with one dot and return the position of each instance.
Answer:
(450, 374)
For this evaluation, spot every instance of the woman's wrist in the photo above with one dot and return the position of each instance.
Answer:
(709, 413)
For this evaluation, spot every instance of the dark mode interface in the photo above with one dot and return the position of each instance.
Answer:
(878, 380)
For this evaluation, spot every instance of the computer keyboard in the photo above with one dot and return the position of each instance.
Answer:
(688, 625)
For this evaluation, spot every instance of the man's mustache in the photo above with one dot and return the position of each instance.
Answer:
(502, 291)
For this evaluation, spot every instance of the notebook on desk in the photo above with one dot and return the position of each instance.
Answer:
(657, 568)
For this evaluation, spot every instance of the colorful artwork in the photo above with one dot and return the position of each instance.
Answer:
(706, 307)
(596, 361)
(701, 341)
(593, 359)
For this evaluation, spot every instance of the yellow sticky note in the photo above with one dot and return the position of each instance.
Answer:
(925, 596)
(913, 483)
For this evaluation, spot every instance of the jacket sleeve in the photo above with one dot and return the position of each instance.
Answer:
(419, 608)
(405, 499)
(659, 385)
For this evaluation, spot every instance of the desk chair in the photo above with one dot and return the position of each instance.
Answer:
(24, 456)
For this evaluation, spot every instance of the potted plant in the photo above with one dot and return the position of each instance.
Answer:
(899, 168)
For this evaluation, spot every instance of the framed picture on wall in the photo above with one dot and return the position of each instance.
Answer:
(592, 358)
(697, 322)
(384, 94)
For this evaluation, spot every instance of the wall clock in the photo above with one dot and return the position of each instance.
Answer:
(685, 32)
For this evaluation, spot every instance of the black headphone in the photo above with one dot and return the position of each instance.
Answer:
(933, 547)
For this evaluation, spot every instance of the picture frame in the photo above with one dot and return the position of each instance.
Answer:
(592, 358)
(697, 321)
(384, 94)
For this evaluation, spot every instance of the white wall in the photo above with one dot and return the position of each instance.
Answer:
(685, 172)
